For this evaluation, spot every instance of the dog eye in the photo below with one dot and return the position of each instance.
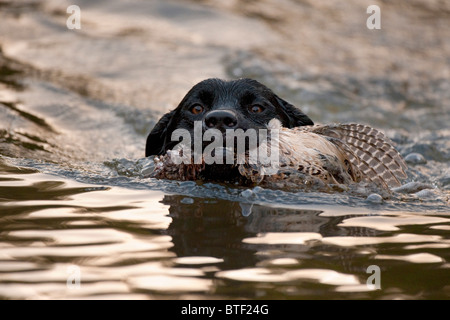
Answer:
(256, 109)
(196, 109)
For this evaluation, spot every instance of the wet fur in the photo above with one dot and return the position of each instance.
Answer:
(216, 94)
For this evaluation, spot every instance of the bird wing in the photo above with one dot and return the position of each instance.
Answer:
(303, 156)
(369, 150)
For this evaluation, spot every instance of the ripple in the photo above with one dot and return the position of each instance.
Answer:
(75, 237)
(16, 266)
(169, 284)
(361, 241)
(283, 262)
(45, 291)
(330, 277)
(37, 249)
(387, 223)
(414, 258)
(75, 111)
(440, 227)
(197, 260)
(273, 238)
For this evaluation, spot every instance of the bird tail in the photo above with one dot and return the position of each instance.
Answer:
(369, 150)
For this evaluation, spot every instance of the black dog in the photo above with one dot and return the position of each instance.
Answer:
(237, 104)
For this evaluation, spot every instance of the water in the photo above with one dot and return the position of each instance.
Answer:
(76, 106)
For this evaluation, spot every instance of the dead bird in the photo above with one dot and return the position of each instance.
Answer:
(319, 157)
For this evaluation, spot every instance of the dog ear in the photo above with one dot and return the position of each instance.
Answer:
(291, 115)
(157, 137)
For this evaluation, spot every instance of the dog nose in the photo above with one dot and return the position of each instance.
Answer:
(221, 119)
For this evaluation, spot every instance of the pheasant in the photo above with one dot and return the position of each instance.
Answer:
(316, 157)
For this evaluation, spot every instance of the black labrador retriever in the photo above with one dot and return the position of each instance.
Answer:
(219, 104)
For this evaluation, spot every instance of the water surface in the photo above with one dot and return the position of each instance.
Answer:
(76, 106)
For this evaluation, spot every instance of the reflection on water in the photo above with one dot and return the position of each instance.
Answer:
(76, 106)
(146, 244)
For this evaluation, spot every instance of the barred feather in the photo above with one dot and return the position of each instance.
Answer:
(373, 152)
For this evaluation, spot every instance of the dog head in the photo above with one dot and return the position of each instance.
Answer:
(218, 104)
